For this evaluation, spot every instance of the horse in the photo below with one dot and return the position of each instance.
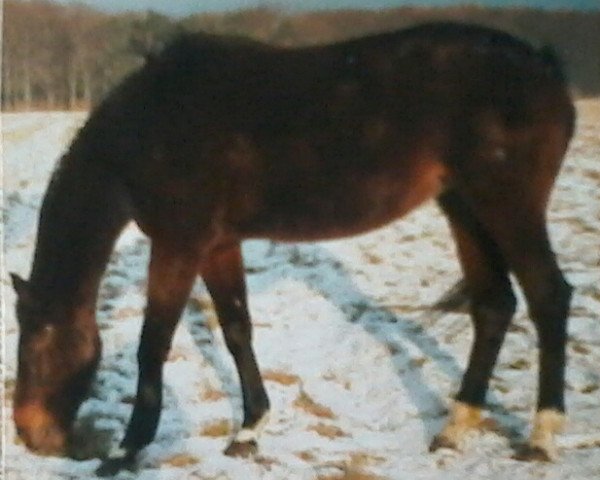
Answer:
(217, 139)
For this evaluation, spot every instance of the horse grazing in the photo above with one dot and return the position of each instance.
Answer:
(216, 140)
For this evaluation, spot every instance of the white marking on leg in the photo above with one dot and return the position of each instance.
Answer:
(546, 424)
(246, 435)
(117, 452)
(463, 418)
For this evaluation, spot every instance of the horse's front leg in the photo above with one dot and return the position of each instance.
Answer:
(171, 276)
(223, 273)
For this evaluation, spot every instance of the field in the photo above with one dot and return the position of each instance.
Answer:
(360, 369)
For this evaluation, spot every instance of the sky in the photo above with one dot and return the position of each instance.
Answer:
(186, 7)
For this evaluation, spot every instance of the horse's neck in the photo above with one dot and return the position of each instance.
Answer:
(84, 210)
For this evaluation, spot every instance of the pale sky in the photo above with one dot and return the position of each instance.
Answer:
(186, 7)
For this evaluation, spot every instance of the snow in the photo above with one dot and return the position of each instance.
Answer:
(348, 321)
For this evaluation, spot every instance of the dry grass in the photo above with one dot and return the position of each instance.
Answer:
(579, 347)
(213, 395)
(351, 474)
(204, 306)
(418, 362)
(126, 312)
(305, 402)
(372, 258)
(181, 461)
(266, 462)
(306, 456)
(177, 354)
(328, 431)
(20, 134)
(9, 389)
(354, 468)
(363, 459)
(211, 321)
(331, 377)
(280, 377)
(590, 388)
(219, 428)
(199, 305)
(589, 108)
(262, 325)
(519, 364)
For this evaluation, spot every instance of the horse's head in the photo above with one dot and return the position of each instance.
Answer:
(58, 354)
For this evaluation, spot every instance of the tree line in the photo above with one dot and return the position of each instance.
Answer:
(69, 57)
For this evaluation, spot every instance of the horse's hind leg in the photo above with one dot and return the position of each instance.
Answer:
(548, 296)
(171, 275)
(492, 307)
(509, 196)
(223, 273)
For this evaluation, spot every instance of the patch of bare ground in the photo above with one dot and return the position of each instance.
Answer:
(328, 431)
(177, 354)
(372, 258)
(354, 468)
(9, 389)
(126, 312)
(351, 474)
(20, 134)
(181, 460)
(580, 347)
(331, 377)
(589, 109)
(199, 304)
(306, 456)
(305, 402)
(204, 306)
(212, 395)
(283, 378)
(519, 364)
(266, 462)
(218, 428)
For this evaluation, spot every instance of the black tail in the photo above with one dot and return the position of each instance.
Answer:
(556, 68)
(551, 58)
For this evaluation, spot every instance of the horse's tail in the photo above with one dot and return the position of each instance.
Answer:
(556, 68)
(553, 61)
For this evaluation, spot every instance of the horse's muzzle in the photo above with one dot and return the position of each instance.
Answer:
(40, 431)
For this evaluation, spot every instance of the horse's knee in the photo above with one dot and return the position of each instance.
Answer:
(492, 310)
(238, 335)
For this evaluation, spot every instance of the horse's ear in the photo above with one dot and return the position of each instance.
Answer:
(21, 287)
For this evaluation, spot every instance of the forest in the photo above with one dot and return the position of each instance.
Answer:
(68, 57)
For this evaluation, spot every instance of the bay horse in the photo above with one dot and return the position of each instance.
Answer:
(216, 140)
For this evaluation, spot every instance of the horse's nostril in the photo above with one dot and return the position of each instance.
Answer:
(39, 429)
(20, 439)
(49, 440)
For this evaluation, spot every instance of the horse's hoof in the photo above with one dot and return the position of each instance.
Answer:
(529, 453)
(119, 459)
(242, 449)
(112, 466)
(441, 441)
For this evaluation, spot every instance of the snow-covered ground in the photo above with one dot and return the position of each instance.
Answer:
(359, 368)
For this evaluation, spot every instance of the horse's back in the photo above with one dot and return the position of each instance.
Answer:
(273, 137)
